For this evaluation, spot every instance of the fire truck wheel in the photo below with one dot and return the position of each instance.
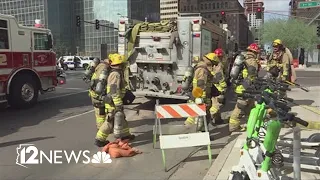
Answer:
(24, 92)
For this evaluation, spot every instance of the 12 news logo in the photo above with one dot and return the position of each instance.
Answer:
(29, 154)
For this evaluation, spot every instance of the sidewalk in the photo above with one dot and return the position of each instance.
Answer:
(304, 68)
(222, 166)
(306, 105)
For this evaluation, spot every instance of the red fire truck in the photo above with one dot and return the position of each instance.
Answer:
(27, 63)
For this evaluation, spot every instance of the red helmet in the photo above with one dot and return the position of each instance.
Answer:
(218, 52)
(254, 47)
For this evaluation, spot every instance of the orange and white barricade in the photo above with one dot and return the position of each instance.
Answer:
(171, 111)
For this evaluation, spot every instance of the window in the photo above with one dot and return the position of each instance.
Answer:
(210, 6)
(218, 5)
(213, 5)
(222, 5)
(4, 38)
(41, 41)
(201, 6)
(191, 7)
(226, 4)
(205, 6)
(185, 8)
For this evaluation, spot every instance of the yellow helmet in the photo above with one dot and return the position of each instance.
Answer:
(110, 56)
(212, 56)
(116, 59)
(277, 42)
(124, 58)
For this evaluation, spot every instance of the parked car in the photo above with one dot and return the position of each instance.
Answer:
(74, 62)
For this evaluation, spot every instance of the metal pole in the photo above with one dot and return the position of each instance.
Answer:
(314, 19)
(296, 153)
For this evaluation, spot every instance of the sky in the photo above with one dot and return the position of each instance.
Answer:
(277, 6)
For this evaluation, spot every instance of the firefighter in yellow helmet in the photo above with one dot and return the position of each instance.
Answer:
(202, 78)
(217, 100)
(279, 64)
(98, 74)
(243, 72)
(115, 118)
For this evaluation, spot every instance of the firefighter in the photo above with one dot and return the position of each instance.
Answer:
(202, 78)
(279, 64)
(223, 59)
(218, 79)
(97, 73)
(108, 103)
(244, 71)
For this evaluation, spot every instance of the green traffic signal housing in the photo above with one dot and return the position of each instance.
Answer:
(97, 24)
(78, 21)
(318, 30)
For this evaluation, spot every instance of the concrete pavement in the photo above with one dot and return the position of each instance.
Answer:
(64, 120)
(306, 104)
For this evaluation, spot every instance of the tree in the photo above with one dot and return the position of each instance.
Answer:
(293, 33)
(60, 48)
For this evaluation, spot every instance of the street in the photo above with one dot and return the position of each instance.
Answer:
(64, 120)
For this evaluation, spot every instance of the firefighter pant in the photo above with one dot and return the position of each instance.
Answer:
(241, 108)
(106, 125)
(194, 120)
(217, 103)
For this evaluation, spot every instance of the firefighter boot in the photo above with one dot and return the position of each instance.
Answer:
(190, 121)
(99, 143)
(216, 119)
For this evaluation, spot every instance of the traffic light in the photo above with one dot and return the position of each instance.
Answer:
(318, 30)
(97, 24)
(259, 14)
(223, 17)
(78, 21)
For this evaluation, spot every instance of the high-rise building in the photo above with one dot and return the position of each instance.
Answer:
(108, 13)
(211, 10)
(54, 14)
(168, 9)
(60, 17)
(251, 7)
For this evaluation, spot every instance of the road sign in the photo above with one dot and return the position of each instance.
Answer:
(309, 4)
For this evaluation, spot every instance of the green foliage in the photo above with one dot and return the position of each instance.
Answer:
(60, 48)
(293, 33)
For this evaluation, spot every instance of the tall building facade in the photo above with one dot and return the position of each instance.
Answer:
(60, 17)
(211, 10)
(26, 11)
(54, 14)
(251, 7)
(168, 9)
(108, 13)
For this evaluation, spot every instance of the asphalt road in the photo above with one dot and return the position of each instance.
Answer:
(64, 120)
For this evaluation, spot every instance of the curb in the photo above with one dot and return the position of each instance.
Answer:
(219, 162)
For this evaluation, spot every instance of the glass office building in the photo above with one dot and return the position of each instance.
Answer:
(56, 15)
(26, 11)
(108, 13)
(60, 17)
